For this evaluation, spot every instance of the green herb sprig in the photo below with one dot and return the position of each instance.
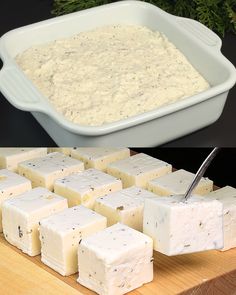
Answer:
(218, 15)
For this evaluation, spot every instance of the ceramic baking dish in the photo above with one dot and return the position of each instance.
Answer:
(200, 45)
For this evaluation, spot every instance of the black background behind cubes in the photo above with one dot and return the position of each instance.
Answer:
(221, 171)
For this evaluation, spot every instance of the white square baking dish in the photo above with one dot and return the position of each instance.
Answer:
(198, 43)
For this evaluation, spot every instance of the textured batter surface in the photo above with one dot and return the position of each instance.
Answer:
(111, 73)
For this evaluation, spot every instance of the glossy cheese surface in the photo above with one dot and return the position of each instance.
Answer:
(227, 196)
(84, 187)
(61, 233)
(11, 157)
(21, 217)
(125, 206)
(178, 227)
(177, 183)
(11, 185)
(45, 170)
(66, 151)
(115, 260)
(99, 158)
(138, 170)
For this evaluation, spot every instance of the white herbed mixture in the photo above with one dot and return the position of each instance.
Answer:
(111, 73)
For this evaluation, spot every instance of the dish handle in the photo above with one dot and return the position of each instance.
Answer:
(200, 32)
(19, 91)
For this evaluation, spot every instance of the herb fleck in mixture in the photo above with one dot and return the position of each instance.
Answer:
(111, 73)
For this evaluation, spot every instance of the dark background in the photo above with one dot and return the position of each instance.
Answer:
(221, 170)
(19, 128)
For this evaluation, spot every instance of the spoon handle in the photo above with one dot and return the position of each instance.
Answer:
(201, 171)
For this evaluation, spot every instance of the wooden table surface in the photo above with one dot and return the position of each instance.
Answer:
(211, 272)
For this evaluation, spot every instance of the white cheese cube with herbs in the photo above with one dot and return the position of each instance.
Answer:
(83, 188)
(227, 196)
(66, 151)
(11, 157)
(99, 158)
(61, 233)
(116, 260)
(138, 170)
(21, 216)
(11, 185)
(177, 183)
(44, 171)
(125, 206)
(179, 227)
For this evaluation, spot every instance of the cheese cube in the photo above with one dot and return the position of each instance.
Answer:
(125, 206)
(99, 158)
(61, 233)
(138, 170)
(177, 183)
(11, 185)
(227, 196)
(84, 187)
(178, 227)
(21, 216)
(10, 157)
(65, 151)
(44, 171)
(115, 260)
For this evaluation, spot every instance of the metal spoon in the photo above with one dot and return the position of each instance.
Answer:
(201, 171)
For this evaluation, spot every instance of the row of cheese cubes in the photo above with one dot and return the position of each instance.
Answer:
(137, 279)
(134, 170)
(112, 260)
(44, 170)
(61, 233)
(188, 210)
(97, 158)
(125, 206)
(137, 170)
